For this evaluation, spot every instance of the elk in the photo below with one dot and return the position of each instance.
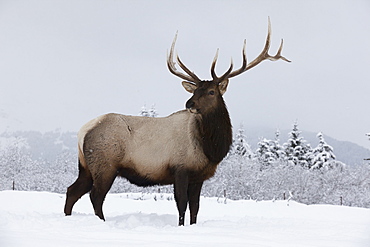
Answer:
(182, 149)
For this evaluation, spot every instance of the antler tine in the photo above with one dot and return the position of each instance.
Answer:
(262, 56)
(171, 66)
(213, 73)
(188, 71)
(225, 75)
(244, 65)
(278, 54)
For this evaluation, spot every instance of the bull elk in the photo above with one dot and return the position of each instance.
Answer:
(183, 149)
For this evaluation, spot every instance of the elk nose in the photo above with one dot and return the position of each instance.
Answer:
(189, 104)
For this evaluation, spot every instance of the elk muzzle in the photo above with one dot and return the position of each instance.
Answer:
(190, 106)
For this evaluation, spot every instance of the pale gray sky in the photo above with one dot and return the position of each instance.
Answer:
(65, 62)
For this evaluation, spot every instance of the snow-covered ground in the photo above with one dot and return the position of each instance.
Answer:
(37, 219)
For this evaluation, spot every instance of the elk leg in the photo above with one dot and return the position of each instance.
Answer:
(181, 193)
(194, 195)
(100, 188)
(81, 186)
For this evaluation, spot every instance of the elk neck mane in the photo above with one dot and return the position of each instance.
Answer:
(215, 133)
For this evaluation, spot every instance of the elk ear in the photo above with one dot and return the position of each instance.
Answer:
(190, 87)
(223, 86)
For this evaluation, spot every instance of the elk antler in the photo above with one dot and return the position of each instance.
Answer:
(171, 66)
(261, 57)
(264, 55)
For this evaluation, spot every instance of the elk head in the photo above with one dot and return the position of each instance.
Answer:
(208, 94)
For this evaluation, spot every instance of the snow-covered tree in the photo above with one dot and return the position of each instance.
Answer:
(148, 113)
(324, 155)
(276, 148)
(12, 161)
(297, 149)
(153, 111)
(16, 166)
(264, 155)
(240, 145)
(144, 112)
(270, 151)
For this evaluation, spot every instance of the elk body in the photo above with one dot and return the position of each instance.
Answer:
(183, 149)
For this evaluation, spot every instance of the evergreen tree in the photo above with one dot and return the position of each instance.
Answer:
(144, 112)
(240, 145)
(270, 151)
(297, 150)
(276, 148)
(148, 113)
(324, 155)
(264, 154)
(153, 111)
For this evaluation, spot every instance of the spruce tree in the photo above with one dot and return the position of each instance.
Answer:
(324, 155)
(240, 145)
(276, 148)
(144, 112)
(264, 153)
(152, 112)
(270, 151)
(297, 150)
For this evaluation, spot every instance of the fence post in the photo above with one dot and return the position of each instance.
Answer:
(13, 185)
(341, 200)
(284, 196)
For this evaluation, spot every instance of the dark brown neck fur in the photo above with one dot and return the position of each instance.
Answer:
(215, 133)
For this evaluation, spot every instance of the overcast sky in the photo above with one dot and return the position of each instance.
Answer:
(63, 63)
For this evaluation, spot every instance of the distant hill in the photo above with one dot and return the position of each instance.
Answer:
(49, 144)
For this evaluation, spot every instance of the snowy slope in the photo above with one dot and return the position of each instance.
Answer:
(36, 219)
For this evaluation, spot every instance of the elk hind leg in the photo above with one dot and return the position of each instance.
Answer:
(81, 186)
(100, 188)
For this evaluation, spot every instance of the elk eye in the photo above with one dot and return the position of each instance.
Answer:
(211, 92)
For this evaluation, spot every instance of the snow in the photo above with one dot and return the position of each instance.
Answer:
(37, 219)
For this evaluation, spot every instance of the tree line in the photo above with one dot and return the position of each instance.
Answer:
(295, 150)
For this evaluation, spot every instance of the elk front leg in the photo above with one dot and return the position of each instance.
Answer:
(194, 195)
(181, 193)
